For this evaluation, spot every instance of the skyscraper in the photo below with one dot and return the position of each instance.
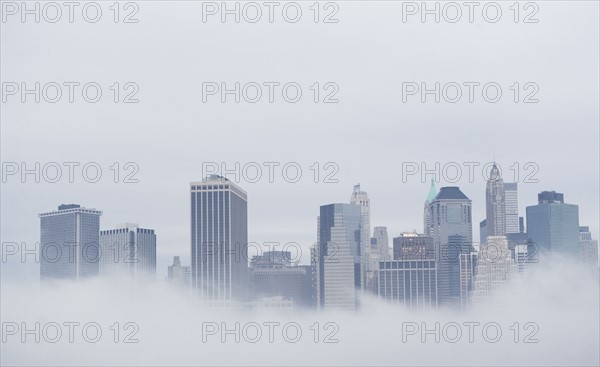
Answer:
(273, 275)
(495, 268)
(219, 224)
(553, 225)
(409, 282)
(336, 257)
(379, 251)
(495, 204)
(179, 275)
(69, 243)
(382, 240)
(128, 251)
(426, 214)
(588, 248)
(452, 232)
(361, 199)
(511, 199)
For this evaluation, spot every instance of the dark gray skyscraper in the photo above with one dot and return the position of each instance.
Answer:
(495, 204)
(553, 226)
(69, 243)
(219, 224)
(452, 232)
(128, 251)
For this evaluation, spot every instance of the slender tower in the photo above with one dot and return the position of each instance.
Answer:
(495, 203)
(219, 221)
(361, 199)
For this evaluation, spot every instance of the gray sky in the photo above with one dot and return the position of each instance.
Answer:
(369, 53)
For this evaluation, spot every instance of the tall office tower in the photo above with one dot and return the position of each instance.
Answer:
(273, 275)
(336, 256)
(426, 214)
(69, 243)
(219, 220)
(482, 231)
(511, 200)
(128, 252)
(361, 199)
(381, 238)
(374, 259)
(553, 225)
(412, 283)
(452, 232)
(179, 275)
(468, 263)
(588, 248)
(495, 204)
(495, 268)
(413, 246)
(379, 251)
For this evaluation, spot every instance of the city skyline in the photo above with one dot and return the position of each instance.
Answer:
(319, 183)
(306, 260)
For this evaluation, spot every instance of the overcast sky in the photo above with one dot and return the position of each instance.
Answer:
(369, 53)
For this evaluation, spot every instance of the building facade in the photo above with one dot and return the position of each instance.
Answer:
(336, 258)
(361, 198)
(219, 246)
(494, 270)
(495, 204)
(553, 226)
(128, 251)
(588, 248)
(412, 283)
(273, 275)
(511, 199)
(452, 232)
(69, 243)
(413, 246)
(179, 275)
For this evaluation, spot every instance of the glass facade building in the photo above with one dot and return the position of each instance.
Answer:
(412, 283)
(69, 243)
(128, 252)
(219, 234)
(553, 225)
(450, 225)
(336, 257)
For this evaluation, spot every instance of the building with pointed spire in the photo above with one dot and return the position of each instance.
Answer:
(368, 272)
(430, 197)
(495, 204)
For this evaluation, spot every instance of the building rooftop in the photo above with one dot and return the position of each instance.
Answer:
(450, 193)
